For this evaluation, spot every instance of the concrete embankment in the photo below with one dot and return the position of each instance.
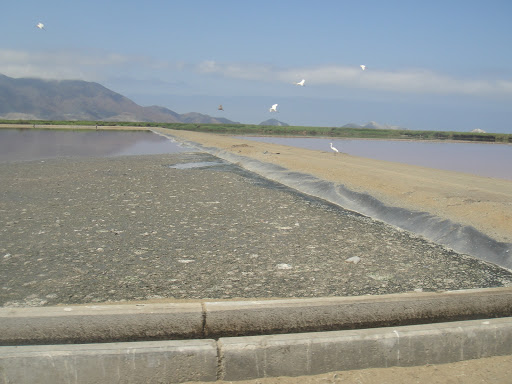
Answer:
(215, 319)
(243, 358)
(90, 344)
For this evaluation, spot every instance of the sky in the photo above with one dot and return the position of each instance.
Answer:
(430, 65)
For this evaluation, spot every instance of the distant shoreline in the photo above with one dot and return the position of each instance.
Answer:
(373, 139)
(149, 129)
(73, 127)
(267, 130)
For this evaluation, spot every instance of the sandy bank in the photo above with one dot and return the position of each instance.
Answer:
(484, 203)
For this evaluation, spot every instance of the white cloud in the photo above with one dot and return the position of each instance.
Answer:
(91, 66)
(410, 81)
(239, 71)
(53, 65)
(98, 66)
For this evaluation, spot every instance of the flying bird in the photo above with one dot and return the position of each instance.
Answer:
(334, 149)
(40, 25)
(273, 108)
(363, 67)
(301, 83)
(220, 108)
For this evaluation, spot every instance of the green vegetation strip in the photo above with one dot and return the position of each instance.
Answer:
(268, 130)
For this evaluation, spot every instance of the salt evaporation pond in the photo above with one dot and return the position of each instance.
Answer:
(483, 159)
(39, 144)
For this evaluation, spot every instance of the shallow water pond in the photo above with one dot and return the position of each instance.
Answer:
(36, 144)
(483, 159)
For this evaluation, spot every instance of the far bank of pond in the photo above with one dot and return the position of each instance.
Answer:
(482, 159)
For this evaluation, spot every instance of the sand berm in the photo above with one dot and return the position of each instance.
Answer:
(481, 202)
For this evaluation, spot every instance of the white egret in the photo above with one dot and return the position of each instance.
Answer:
(273, 108)
(334, 149)
(301, 83)
(40, 25)
(363, 67)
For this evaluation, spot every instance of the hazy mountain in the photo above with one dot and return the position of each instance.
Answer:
(274, 122)
(37, 99)
(198, 118)
(372, 125)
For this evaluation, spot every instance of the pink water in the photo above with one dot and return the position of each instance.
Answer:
(489, 160)
(29, 144)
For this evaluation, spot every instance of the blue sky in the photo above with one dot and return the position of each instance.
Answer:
(439, 65)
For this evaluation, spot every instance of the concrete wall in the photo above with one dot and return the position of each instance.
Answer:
(245, 358)
(177, 321)
(137, 362)
(100, 323)
(111, 343)
(250, 357)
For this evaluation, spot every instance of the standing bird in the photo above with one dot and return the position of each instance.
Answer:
(334, 149)
(273, 108)
(301, 83)
(40, 25)
(220, 108)
(363, 67)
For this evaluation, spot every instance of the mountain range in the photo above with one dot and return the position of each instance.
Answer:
(38, 99)
(72, 100)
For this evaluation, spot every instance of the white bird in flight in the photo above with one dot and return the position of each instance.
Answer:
(40, 25)
(273, 108)
(363, 67)
(334, 149)
(301, 83)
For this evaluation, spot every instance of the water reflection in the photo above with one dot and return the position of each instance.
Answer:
(490, 160)
(30, 144)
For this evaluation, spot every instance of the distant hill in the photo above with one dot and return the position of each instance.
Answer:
(372, 125)
(274, 122)
(38, 99)
(198, 118)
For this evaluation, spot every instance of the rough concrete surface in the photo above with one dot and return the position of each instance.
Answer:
(78, 231)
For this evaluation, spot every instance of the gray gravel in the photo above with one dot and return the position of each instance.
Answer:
(133, 228)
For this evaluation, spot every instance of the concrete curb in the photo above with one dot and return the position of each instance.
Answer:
(177, 321)
(337, 313)
(100, 323)
(244, 358)
(136, 362)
